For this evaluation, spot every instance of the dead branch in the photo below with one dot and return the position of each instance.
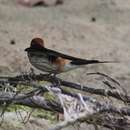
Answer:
(33, 101)
(75, 107)
(25, 79)
(86, 116)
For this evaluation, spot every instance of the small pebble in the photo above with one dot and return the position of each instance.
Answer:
(12, 42)
(93, 19)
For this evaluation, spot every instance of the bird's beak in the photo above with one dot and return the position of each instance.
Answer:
(27, 49)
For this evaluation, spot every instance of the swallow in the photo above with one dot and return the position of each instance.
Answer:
(54, 62)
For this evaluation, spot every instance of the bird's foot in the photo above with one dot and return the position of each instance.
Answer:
(56, 83)
(55, 80)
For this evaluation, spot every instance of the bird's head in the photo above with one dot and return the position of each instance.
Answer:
(36, 43)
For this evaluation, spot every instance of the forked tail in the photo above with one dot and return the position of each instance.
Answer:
(85, 62)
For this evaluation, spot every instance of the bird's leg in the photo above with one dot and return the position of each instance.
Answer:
(55, 80)
(31, 74)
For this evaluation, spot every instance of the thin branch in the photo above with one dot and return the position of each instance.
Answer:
(34, 101)
(104, 75)
(25, 79)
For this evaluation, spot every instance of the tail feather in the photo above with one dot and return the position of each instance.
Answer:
(85, 62)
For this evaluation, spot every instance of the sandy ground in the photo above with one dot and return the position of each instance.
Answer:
(69, 28)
